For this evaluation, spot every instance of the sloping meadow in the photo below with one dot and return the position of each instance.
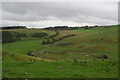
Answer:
(91, 53)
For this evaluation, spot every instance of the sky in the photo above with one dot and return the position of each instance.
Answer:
(49, 14)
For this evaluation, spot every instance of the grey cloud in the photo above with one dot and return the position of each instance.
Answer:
(79, 12)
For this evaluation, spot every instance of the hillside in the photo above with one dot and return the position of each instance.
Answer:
(12, 35)
(90, 53)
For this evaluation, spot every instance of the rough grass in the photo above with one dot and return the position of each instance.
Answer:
(59, 69)
(93, 42)
(13, 56)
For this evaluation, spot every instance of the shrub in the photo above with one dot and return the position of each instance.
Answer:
(44, 42)
(10, 36)
(48, 41)
(40, 35)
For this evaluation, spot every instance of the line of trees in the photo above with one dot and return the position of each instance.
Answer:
(14, 27)
(61, 28)
(70, 28)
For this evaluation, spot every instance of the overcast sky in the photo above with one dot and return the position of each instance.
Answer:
(44, 14)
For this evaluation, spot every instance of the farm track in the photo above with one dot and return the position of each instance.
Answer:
(53, 36)
(61, 38)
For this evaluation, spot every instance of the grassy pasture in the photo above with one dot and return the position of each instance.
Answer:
(58, 61)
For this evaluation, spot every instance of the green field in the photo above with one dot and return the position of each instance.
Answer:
(76, 56)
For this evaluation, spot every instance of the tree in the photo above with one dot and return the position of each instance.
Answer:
(86, 27)
(96, 26)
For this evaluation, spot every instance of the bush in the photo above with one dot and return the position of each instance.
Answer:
(10, 36)
(48, 41)
(44, 42)
(40, 35)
